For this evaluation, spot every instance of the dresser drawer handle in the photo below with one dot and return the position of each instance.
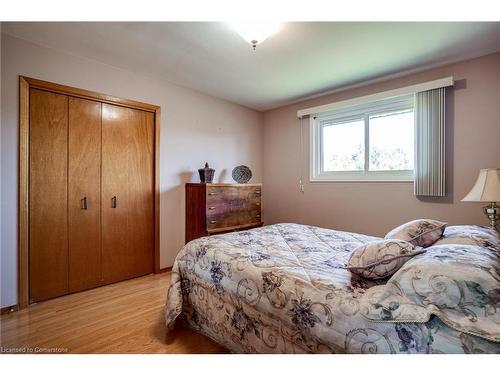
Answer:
(211, 208)
(213, 222)
(257, 191)
(257, 204)
(257, 215)
(211, 193)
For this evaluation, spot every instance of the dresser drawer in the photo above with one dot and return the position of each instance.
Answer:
(232, 193)
(231, 219)
(228, 220)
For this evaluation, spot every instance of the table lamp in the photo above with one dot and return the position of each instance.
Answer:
(487, 189)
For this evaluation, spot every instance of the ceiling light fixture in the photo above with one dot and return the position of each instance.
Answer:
(256, 32)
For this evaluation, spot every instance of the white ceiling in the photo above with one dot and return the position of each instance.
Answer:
(303, 59)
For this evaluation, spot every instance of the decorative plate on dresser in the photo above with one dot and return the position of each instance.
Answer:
(219, 208)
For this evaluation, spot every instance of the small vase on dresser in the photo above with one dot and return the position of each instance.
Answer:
(220, 208)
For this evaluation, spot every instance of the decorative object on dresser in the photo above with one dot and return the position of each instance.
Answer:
(218, 208)
(206, 174)
(242, 174)
(487, 189)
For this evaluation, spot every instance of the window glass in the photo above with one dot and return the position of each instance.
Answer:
(344, 146)
(391, 141)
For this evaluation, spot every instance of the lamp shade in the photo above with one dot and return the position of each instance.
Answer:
(486, 188)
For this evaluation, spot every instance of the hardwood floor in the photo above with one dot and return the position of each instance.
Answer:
(126, 317)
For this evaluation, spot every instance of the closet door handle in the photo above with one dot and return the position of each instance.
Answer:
(84, 203)
(113, 202)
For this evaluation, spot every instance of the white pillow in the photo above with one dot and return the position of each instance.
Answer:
(382, 258)
(421, 232)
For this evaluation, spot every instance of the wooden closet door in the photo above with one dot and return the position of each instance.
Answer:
(84, 194)
(48, 218)
(127, 192)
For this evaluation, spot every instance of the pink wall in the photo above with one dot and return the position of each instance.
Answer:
(473, 142)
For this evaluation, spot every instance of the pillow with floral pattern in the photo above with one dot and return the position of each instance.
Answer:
(421, 232)
(470, 235)
(460, 284)
(382, 258)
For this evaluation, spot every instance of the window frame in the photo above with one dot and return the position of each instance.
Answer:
(362, 111)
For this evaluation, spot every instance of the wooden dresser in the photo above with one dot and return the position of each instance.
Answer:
(218, 208)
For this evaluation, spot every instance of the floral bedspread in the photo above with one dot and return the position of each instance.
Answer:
(283, 289)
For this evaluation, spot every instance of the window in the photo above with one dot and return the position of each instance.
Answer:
(372, 142)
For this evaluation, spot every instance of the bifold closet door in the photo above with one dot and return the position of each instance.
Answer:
(127, 192)
(84, 193)
(48, 195)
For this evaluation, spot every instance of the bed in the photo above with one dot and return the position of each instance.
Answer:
(284, 288)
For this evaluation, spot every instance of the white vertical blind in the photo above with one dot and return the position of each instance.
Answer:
(430, 143)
